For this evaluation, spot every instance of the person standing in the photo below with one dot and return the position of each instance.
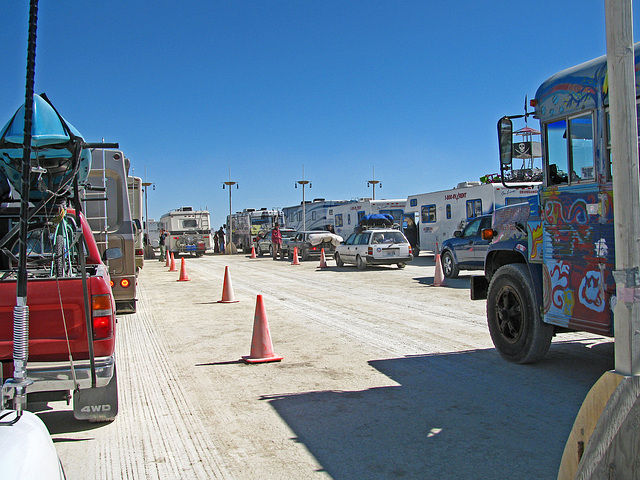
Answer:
(276, 241)
(221, 239)
(216, 242)
(163, 247)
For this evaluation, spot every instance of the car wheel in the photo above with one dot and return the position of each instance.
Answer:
(304, 254)
(360, 263)
(338, 260)
(402, 265)
(513, 316)
(449, 267)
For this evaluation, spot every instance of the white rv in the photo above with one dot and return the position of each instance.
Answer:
(346, 216)
(312, 215)
(441, 213)
(189, 231)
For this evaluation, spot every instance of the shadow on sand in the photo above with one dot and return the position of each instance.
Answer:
(447, 419)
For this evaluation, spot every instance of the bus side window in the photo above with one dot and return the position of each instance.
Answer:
(557, 152)
(582, 155)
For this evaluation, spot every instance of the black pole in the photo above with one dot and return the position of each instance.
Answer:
(21, 310)
(26, 151)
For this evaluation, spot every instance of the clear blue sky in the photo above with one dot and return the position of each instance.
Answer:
(191, 88)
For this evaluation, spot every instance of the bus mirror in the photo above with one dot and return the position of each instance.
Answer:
(505, 140)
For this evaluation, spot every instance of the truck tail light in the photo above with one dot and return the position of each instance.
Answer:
(124, 283)
(102, 314)
(139, 251)
(370, 251)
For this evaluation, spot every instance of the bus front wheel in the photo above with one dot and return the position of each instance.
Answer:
(513, 316)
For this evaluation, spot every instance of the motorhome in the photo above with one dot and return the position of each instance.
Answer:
(246, 226)
(311, 215)
(345, 217)
(135, 203)
(106, 206)
(189, 231)
(441, 213)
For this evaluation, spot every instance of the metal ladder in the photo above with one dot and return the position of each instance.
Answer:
(94, 201)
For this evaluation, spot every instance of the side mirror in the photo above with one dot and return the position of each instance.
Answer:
(505, 140)
(457, 233)
(138, 225)
(111, 254)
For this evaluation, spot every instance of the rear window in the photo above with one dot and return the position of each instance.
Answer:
(388, 237)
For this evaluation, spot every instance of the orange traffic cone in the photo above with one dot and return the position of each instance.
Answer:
(323, 260)
(183, 273)
(253, 252)
(296, 261)
(227, 289)
(438, 278)
(172, 265)
(261, 346)
(167, 262)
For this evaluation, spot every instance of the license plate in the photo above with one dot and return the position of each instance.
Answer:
(390, 253)
(190, 248)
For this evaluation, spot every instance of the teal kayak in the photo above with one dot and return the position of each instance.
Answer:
(58, 151)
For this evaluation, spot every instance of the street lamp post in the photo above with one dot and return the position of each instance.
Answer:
(231, 248)
(304, 183)
(373, 183)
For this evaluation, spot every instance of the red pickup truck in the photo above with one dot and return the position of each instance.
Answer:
(63, 356)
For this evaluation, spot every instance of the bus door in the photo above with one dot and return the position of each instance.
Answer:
(577, 242)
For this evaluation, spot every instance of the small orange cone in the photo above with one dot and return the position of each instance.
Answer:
(172, 265)
(253, 252)
(227, 289)
(261, 346)
(183, 273)
(296, 261)
(323, 260)
(167, 262)
(438, 278)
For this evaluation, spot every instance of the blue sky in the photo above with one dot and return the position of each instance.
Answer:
(190, 89)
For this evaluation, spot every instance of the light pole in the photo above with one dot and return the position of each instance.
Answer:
(303, 182)
(373, 183)
(230, 245)
(148, 248)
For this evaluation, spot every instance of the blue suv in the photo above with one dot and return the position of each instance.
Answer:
(466, 250)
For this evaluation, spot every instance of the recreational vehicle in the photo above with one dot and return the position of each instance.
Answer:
(311, 215)
(106, 206)
(189, 231)
(135, 203)
(441, 213)
(246, 226)
(345, 217)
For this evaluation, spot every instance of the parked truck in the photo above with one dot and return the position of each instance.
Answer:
(71, 335)
(189, 231)
(550, 266)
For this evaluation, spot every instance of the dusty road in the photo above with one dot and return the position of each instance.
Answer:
(383, 377)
